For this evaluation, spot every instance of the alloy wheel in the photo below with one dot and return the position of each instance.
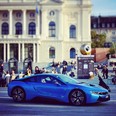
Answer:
(18, 94)
(77, 97)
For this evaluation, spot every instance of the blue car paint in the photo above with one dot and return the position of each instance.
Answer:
(58, 92)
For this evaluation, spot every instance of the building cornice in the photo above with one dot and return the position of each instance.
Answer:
(19, 41)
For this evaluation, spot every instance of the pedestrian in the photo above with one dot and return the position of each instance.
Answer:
(58, 69)
(72, 74)
(114, 68)
(1, 68)
(101, 82)
(106, 69)
(13, 75)
(7, 78)
(21, 75)
(37, 70)
(105, 72)
(54, 71)
(43, 70)
(28, 72)
(64, 69)
(1, 75)
(114, 80)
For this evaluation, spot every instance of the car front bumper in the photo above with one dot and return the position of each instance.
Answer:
(103, 98)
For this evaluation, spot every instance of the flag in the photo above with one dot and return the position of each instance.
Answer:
(37, 10)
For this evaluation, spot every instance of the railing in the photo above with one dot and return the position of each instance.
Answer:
(18, 0)
(19, 36)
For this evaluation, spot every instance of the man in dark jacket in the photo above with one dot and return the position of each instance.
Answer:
(1, 73)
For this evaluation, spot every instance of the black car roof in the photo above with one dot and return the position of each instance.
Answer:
(50, 74)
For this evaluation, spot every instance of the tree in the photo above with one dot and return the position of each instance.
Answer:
(113, 49)
(98, 40)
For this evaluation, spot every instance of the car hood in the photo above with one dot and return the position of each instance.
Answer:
(90, 87)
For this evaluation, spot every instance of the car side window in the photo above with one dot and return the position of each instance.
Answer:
(31, 79)
(46, 79)
(39, 78)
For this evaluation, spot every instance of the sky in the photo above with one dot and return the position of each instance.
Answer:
(104, 7)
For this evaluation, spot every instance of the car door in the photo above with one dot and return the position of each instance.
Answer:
(47, 86)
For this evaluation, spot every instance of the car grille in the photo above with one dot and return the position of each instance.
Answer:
(103, 93)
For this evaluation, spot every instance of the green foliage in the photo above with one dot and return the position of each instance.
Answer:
(113, 49)
(98, 40)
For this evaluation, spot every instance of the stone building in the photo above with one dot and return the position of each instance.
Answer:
(35, 32)
(105, 25)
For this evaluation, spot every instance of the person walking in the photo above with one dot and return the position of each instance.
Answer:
(114, 68)
(101, 82)
(105, 72)
(64, 69)
(2, 81)
(7, 78)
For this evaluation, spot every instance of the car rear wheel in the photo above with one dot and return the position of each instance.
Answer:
(18, 94)
(77, 98)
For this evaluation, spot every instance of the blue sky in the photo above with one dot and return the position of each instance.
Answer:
(104, 7)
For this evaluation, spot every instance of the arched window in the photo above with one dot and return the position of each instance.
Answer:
(72, 31)
(18, 14)
(52, 29)
(5, 29)
(72, 53)
(5, 14)
(52, 52)
(32, 30)
(18, 27)
(32, 14)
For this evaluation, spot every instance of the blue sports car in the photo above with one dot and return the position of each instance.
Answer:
(56, 86)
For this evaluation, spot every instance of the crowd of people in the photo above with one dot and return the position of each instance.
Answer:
(6, 76)
(105, 72)
(60, 68)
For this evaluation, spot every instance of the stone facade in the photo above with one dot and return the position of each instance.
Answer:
(33, 32)
(105, 25)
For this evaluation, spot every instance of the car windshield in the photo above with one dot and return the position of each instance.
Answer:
(67, 79)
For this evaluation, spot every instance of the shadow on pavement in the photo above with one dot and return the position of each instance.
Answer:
(41, 101)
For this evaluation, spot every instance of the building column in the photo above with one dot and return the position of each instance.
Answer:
(79, 30)
(19, 51)
(10, 22)
(8, 52)
(38, 53)
(34, 60)
(4, 52)
(60, 35)
(23, 48)
(24, 22)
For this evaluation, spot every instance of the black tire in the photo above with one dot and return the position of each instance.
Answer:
(18, 94)
(77, 98)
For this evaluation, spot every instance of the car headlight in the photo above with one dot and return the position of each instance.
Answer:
(99, 93)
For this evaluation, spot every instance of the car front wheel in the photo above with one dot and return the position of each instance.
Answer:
(77, 98)
(18, 94)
